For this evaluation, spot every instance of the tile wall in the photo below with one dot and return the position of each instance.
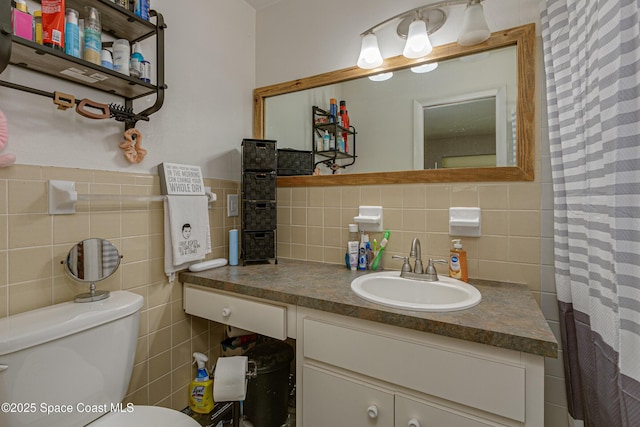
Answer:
(32, 244)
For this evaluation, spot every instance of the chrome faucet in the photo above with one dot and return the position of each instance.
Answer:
(416, 253)
(418, 273)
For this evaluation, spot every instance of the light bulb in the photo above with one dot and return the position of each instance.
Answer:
(370, 56)
(418, 43)
(474, 26)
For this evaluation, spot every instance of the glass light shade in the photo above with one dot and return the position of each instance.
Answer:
(381, 77)
(370, 56)
(424, 68)
(418, 43)
(474, 26)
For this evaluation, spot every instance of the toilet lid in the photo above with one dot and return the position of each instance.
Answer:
(146, 416)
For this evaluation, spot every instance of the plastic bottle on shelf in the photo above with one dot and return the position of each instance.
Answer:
(121, 52)
(37, 26)
(72, 34)
(92, 36)
(53, 23)
(146, 71)
(325, 141)
(333, 110)
(136, 62)
(141, 8)
(345, 124)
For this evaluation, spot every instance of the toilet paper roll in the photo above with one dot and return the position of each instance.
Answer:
(230, 379)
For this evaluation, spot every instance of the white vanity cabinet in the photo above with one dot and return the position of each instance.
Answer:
(360, 373)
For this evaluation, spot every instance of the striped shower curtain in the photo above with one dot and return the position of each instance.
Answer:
(592, 66)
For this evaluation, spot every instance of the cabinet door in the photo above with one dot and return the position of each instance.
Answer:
(333, 400)
(415, 413)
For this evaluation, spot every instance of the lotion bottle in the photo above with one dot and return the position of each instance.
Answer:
(458, 262)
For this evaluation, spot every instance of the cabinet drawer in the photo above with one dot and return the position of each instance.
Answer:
(488, 385)
(259, 215)
(258, 245)
(332, 400)
(259, 317)
(430, 414)
(259, 155)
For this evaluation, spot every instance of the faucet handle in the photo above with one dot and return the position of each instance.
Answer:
(406, 267)
(431, 272)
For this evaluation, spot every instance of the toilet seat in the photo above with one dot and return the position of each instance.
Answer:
(146, 416)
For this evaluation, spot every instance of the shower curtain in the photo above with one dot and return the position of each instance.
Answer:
(592, 67)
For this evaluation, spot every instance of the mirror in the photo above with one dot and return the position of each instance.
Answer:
(90, 261)
(514, 132)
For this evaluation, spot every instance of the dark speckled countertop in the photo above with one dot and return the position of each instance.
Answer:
(507, 317)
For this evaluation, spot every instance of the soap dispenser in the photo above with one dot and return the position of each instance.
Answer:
(458, 262)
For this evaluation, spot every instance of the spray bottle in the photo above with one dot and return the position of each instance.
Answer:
(201, 388)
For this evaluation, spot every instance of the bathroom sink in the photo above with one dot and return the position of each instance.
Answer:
(388, 288)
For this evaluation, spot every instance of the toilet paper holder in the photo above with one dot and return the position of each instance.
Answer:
(252, 371)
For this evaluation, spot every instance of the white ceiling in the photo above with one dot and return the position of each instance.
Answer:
(260, 4)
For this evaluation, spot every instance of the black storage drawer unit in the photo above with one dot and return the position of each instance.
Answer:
(259, 212)
(259, 215)
(258, 245)
(259, 155)
(259, 186)
(294, 162)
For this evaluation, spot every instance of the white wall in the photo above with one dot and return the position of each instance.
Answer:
(208, 109)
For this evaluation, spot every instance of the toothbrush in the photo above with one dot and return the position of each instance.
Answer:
(383, 243)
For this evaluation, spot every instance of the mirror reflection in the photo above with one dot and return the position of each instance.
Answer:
(92, 260)
(394, 149)
(461, 114)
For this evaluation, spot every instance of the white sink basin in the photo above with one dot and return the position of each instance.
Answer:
(388, 288)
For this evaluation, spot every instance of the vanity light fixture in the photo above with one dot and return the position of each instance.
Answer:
(415, 26)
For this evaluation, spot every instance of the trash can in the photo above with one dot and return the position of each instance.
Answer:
(266, 404)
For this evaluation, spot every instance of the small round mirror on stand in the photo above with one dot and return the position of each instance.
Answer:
(91, 261)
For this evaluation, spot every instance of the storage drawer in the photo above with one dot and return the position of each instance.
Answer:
(258, 245)
(258, 317)
(259, 155)
(432, 414)
(329, 400)
(259, 216)
(294, 162)
(489, 385)
(259, 186)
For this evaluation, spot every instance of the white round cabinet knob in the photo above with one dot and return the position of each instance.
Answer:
(226, 312)
(413, 423)
(372, 411)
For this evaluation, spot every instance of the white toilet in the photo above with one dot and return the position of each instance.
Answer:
(70, 364)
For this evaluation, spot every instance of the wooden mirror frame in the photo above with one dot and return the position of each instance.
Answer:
(522, 37)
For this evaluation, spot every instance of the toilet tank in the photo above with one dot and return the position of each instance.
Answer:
(67, 364)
